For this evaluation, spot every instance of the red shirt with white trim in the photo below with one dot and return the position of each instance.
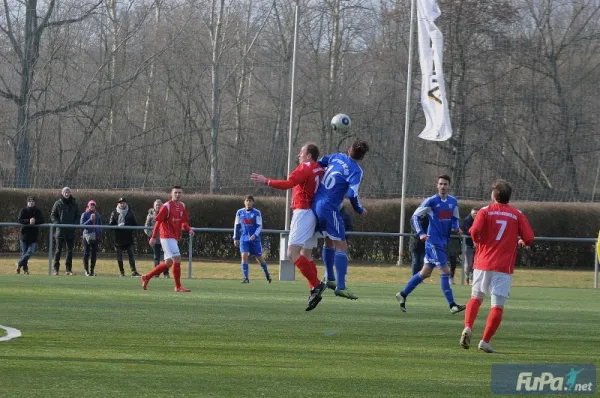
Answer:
(171, 218)
(305, 181)
(496, 231)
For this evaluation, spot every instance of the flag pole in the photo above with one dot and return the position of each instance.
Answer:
(413, 6)
(291, 126)
(286, 267)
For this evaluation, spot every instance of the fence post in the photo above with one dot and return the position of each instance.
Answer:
(596, 266)
(463, 249)
(190, 251)
(50, 249)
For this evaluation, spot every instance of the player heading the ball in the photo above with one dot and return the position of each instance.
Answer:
(342, 178)
(303, 181)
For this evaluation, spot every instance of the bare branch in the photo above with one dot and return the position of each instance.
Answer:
(46, 24)
(9, 32)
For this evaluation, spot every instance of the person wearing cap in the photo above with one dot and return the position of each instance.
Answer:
(124, 216)
(91, 237)
(65, 211)
(28, 216)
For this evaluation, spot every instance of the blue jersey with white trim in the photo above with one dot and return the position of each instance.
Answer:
(247, 223)
(342, 177)
(443, 218)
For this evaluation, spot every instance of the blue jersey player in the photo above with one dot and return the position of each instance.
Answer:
(442, 210)
(342, 178)
(246, 236)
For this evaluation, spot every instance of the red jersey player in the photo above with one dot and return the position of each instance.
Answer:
(171, 218)
(304, 180)
(497, 231)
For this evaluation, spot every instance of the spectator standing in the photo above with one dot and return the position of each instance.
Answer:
(65, 211)
(150, 221)
(91, 237)
(30, 216)
(454, 250)
(124, 216)
(467, 224)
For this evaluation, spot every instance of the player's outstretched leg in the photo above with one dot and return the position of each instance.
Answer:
(341, 269)
(263, 265)
(177, 279)
(492, 325)
(470, 316)
(411, 285)
(447, 290)
(309, 270)
(159, 269)
(245, 272)
(465, 338)
(315, 296)
(328, 255)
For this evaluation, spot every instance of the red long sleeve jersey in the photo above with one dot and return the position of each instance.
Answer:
(170, 219)
(305, 181)
(496, 231)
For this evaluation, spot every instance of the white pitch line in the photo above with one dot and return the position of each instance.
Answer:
(11, 333)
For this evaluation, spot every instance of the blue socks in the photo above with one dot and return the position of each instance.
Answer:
(265, 270)
(245, 270)
(412, 284)
(328, 255)
(445, 285)
(341, 269)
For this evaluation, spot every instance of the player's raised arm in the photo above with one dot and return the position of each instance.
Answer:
(423, 209)
(353, 185)
(324, 161)
(294, 179)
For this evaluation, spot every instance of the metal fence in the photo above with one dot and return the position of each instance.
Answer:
(284, 234)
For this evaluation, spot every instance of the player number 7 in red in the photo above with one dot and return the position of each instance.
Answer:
(502, 228)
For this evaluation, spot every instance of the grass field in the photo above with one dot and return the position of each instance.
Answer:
(106, 337)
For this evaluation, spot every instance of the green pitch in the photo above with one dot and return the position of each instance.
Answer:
(106, 337)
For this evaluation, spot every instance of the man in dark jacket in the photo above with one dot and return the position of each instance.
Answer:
(467, 224)
(123, 216)
(65, 211)
(417, 247)
(29, 216)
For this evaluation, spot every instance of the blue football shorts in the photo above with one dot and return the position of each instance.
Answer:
(253, 247)
(435, 255)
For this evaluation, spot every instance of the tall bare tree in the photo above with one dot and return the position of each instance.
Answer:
(26, 38)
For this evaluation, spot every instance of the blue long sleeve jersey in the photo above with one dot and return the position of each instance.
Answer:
(443, 218)
(342, 177)
(247, 223)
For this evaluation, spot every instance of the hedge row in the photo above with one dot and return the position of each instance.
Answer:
(547, 219)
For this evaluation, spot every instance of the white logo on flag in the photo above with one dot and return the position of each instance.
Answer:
(433, 90)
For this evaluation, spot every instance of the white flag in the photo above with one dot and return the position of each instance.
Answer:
(433, 90)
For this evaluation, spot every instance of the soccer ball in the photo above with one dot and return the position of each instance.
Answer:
(341, 123)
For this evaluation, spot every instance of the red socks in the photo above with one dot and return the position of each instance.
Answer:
(159, 269)
(471, 312)
(493, 322)
(177, 274)
(309, 270)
